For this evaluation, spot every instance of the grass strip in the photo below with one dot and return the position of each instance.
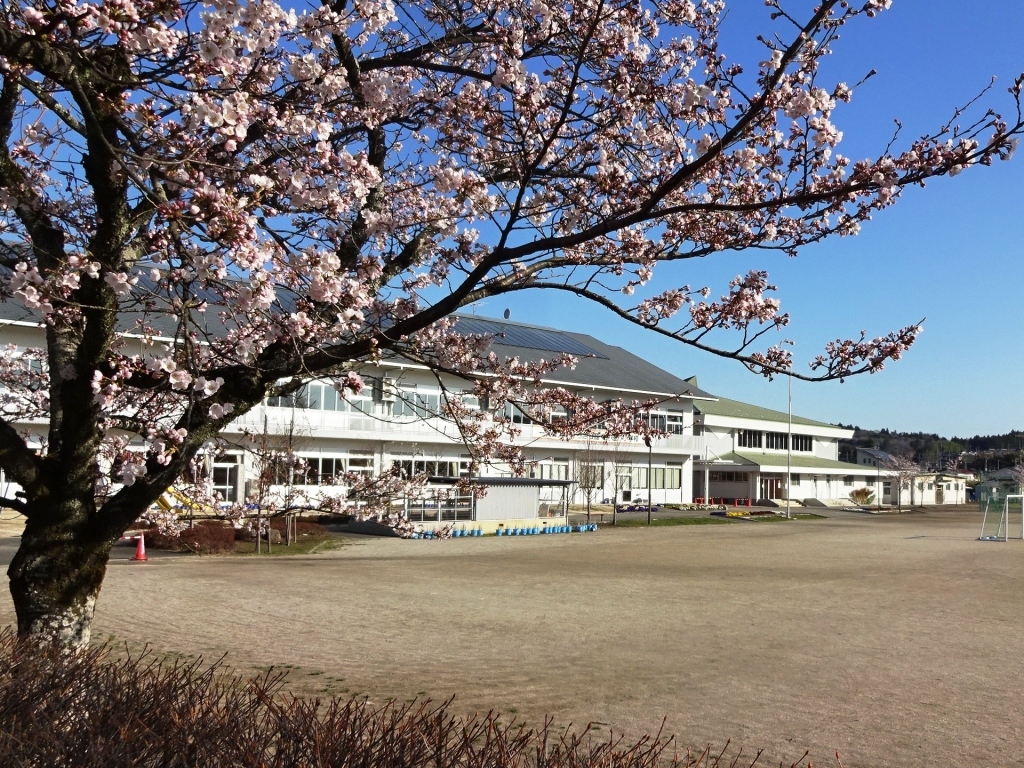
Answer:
(305, 545)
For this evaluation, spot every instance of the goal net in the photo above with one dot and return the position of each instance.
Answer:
(1003, 519)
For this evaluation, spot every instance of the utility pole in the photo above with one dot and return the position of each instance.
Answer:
(789, 454)
(650, 478)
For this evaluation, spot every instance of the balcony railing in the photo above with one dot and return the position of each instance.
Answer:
(310, 422)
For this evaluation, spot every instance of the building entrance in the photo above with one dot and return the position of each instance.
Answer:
(772, 487)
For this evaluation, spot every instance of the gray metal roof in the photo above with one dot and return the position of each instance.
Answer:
(603, 365)
(734, 408)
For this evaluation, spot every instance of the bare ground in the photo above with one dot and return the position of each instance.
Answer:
(894, 639)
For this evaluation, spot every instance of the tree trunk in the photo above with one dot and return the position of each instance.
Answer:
(55, 578)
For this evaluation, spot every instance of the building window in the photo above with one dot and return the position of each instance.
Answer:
(748, 438)
(675, 423)
(225, 477)
(412, 403)
(516, 415)
(728, 477)
(591, 475)
(657, 477)
(321, 397)
(674, 476)
(361, 462)
(556, 469)
(795, 478)
(775, 441)
(803, 443)
(658, 422)
(848, 480)
(639, 477)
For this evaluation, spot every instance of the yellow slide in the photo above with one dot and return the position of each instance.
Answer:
(178, 499)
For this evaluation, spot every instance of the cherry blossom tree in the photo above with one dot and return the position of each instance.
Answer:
(903, 472)
(289, 191)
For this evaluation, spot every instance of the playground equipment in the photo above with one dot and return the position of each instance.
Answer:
(995, 522)
(172, 499)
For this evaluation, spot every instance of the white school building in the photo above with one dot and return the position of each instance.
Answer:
(713, 448)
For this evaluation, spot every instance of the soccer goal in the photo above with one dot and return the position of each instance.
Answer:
(995, 524)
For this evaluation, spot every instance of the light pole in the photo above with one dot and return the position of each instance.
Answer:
(789, 454)
(878, 482)
(650, 479)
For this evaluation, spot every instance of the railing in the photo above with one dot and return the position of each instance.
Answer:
(345, 423)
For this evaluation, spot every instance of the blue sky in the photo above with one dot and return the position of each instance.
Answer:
(950, 253)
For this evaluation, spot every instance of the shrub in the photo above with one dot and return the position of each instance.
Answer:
(862, 496)
(89, 710)
(208, 537)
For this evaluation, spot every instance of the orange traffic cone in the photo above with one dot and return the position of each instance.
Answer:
(140, 549)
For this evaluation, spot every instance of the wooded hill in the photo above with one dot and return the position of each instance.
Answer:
(974, 453)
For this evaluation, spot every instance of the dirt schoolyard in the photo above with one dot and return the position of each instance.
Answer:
(894, 639)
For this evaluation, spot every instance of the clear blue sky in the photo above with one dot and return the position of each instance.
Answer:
(950, 253)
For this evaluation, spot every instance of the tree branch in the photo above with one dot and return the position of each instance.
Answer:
(21, 463)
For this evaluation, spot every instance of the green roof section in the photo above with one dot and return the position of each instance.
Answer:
(799, 462)
(734, 408)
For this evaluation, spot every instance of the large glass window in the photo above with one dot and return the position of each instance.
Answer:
(516, 415)
(776, 441)
(674, 476)
(405, 402)
(316, 396)
(728, 477)
(803, 443)
(639, 477)
(658, 421)
(557, 469)
(224, 477)
(674, 423)
(748, 438)
(361, 462)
